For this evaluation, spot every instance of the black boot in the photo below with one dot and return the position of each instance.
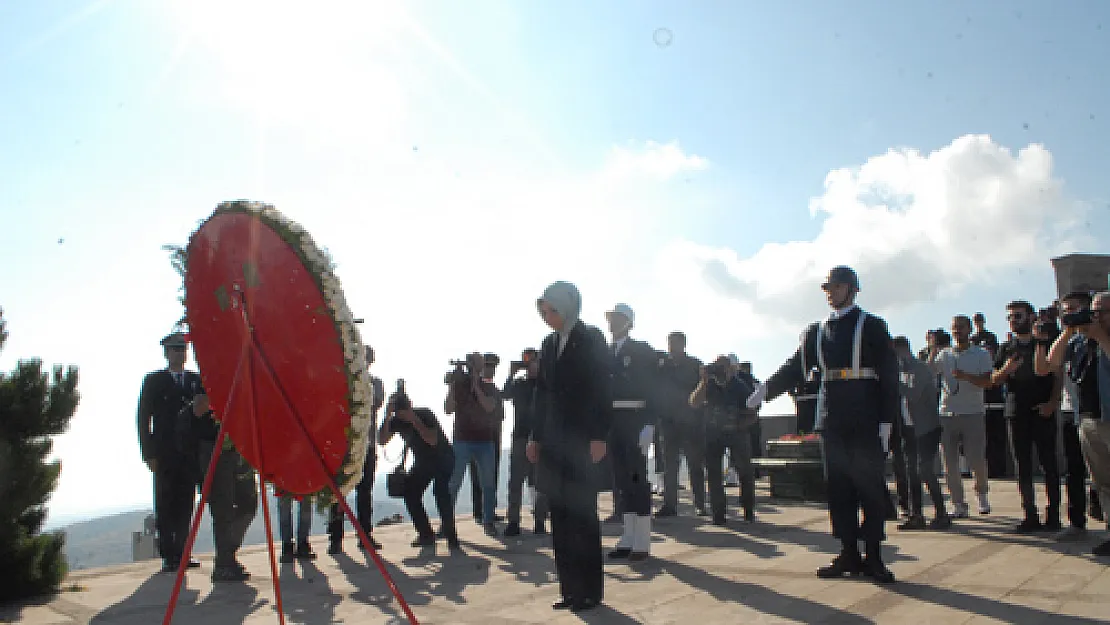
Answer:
(848, 562)
(873, 566)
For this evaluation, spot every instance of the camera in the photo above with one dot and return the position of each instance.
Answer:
(717, 370)
(400, 398)
(1078, 318)
(460, 372)
(529, 357)
(1047, 326)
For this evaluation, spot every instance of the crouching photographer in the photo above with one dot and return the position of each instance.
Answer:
(727, 423)
(433, 460)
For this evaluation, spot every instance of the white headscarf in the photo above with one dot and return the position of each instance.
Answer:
(565, 299)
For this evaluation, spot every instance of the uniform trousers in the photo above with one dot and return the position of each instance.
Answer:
(683, 439)
(576, 538)
(1028, 429)
(630, 480)
(174, 490)
(854, 464)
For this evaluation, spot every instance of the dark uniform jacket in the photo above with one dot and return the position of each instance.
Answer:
(574, 406)
(635, 387)
(850, 405)
(166, 421)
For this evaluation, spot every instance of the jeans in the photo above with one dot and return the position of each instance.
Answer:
(285, 519)
(483, 453)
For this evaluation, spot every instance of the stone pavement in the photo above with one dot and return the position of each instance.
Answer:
(978, 572)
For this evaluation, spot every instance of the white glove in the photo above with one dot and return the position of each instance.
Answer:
(647, 437)
(757, 396)
(884, 436)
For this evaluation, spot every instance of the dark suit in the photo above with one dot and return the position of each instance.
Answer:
(635, 379)
(164, 423)
(853, 410)
(573, 407)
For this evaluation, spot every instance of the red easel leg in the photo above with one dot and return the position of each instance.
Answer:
(195, 526)
(265, 501)
(342, 501)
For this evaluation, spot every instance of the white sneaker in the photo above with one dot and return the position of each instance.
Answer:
(984, 504)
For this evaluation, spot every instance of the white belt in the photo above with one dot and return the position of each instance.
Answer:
(629, 404)
(994, 406)
(863, 373)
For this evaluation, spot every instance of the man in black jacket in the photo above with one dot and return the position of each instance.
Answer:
(859, 400)
(165, 401)
(521, 392)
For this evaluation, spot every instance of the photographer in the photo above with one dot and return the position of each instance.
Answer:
(727, 420)
(433, 462)
(1077, 353)
(683, 430)
(521, 391)
(476, 404)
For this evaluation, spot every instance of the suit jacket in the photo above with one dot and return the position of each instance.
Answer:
(165, 420)
(573, 407)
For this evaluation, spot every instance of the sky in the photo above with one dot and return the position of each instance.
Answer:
(705, 163)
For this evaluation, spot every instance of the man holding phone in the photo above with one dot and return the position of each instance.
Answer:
(521, 392)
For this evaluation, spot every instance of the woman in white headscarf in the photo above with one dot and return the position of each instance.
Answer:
(573, 416)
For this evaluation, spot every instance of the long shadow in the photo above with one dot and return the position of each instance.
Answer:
(529, 566)
(309, 599)
(990, 608)
(759, 598)
(148, 604)
(371, 589)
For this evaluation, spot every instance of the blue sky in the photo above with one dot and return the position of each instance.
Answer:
(457, 157)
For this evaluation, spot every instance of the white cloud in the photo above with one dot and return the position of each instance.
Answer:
(655, 160)
(914, 226)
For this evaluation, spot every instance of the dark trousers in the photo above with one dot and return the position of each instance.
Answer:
(174, 488)
(630, 479)
(998, 444)
(928, 445)
(437, 473)
(682, 439)
(739, 446)
(576, 537)
(521, 471)
(854, 463)
(906, 477)
(1029, 429)
(364, 502)
(233, 502)
(1077, 476)
(660, 442)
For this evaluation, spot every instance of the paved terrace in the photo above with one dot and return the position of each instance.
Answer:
(761, 573)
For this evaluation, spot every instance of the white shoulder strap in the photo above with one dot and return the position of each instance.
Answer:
(857, 343)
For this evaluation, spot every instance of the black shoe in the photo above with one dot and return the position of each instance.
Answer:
(304, 552)
(1029, 525)
(876, 570)
(194, 564)
(335, 547)
(169, 566)
(428, 540)
(562, 604)
(490, 529)
(941, 522)
(614, 518)
(229, 574)
(720, 521)
(620, 553)
(540, 529)
(512, 529)
(665, 511)
(915, 522)
(1102, 549)
(847, 563)
(1052, 523)
(583, 605)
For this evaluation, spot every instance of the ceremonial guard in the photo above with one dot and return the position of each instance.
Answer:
(857, 402)
(166, 405)
(634, 371)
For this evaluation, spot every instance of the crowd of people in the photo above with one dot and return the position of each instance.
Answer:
(588, 410)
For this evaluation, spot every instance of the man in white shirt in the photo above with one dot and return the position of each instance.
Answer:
(962, 368)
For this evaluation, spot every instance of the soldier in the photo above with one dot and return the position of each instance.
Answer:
(857, 403)
(634, 369)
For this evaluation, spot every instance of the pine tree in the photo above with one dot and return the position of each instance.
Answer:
(34, 407)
